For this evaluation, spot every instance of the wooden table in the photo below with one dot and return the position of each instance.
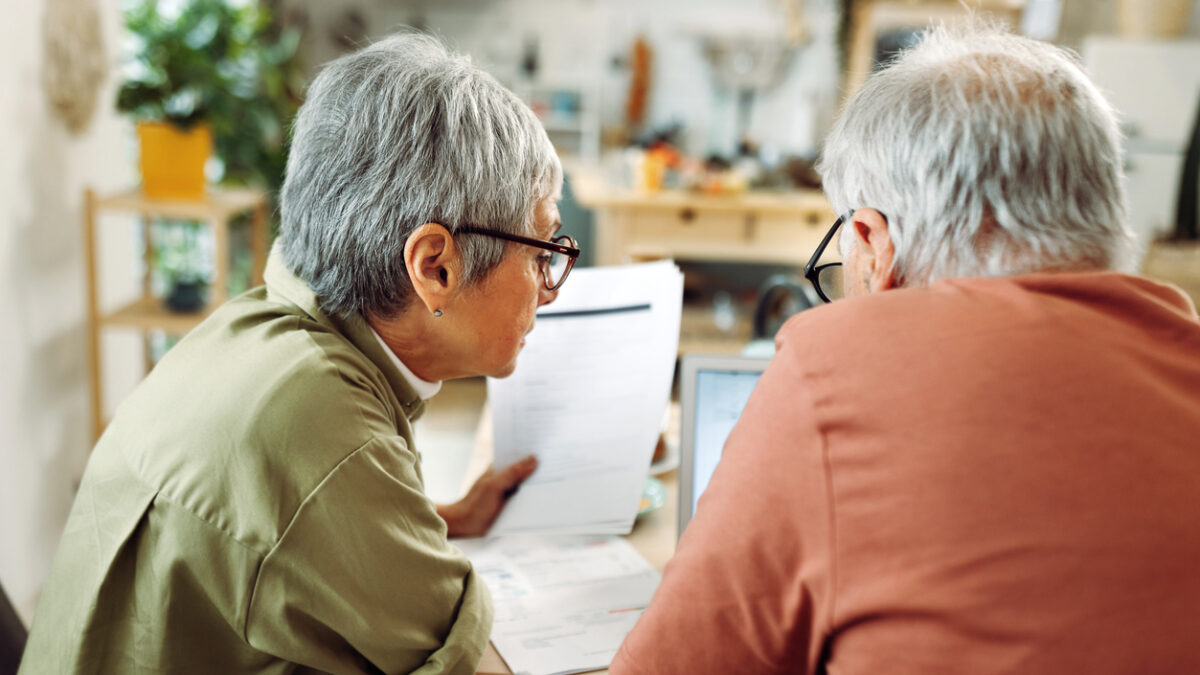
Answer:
(653, 534)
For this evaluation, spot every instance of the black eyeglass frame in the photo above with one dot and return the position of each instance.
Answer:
(812, 271)
(571, 249)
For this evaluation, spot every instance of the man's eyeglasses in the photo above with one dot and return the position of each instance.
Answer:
(826, 278)
(556, 264)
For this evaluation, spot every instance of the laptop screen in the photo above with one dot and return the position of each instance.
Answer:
(714, 390)
(720, 397)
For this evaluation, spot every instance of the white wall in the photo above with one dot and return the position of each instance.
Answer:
(44, 435)
(578, 40)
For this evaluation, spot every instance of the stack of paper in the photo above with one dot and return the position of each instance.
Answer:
(587, 399)
(563, 604)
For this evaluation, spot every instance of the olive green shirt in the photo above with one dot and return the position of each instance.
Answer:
(257, 506)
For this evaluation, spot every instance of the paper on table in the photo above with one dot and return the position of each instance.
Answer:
(587, 398)
(563, 604)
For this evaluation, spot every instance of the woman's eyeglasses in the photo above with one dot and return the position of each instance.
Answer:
(556, 264)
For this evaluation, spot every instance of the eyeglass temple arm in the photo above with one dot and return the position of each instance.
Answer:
(810, 269)
(571, 251)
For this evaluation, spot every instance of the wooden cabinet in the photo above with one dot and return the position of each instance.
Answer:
(767, 227)
(147, 312)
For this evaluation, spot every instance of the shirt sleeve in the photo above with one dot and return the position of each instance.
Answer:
(749, 589)
(363, 579)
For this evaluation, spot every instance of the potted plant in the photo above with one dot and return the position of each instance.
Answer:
(181, 269)
(204, 75)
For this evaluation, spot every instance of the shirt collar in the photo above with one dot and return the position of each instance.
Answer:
(285, 287)
(424, 388)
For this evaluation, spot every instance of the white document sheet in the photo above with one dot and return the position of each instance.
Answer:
(587, 398)
(563, 604)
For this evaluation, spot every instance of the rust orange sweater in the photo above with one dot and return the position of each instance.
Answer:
(984, 476)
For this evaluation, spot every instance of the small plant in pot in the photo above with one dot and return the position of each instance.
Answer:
(205, 75)
(180, 266)
(189, 293)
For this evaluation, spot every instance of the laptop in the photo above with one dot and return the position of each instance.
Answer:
(713, 390)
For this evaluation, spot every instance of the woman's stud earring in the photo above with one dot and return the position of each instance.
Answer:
(437, 312)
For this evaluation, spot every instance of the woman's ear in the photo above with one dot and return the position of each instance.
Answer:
(432, 261)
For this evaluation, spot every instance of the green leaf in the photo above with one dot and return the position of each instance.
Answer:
(231, 66)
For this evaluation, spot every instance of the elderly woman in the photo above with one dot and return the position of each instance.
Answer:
(256, 506)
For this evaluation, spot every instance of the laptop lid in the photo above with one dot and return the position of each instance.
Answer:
(713, 391)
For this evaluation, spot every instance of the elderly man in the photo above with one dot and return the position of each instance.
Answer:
(256, 506)
(986, 460)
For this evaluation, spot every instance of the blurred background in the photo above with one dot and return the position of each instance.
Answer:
(688, 129)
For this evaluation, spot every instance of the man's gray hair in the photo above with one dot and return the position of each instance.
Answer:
(990, 154)
(402, 133)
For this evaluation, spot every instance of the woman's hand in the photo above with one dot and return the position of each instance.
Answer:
(473, 515)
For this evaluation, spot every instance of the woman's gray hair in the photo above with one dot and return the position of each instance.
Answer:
(990, 154)
(402, 133)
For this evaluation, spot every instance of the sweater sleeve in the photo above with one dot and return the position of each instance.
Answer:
(750, 587)
(363, 579)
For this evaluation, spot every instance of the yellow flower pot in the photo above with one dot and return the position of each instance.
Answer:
(172, 159)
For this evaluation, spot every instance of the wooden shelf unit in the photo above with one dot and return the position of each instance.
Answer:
(148, 312)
